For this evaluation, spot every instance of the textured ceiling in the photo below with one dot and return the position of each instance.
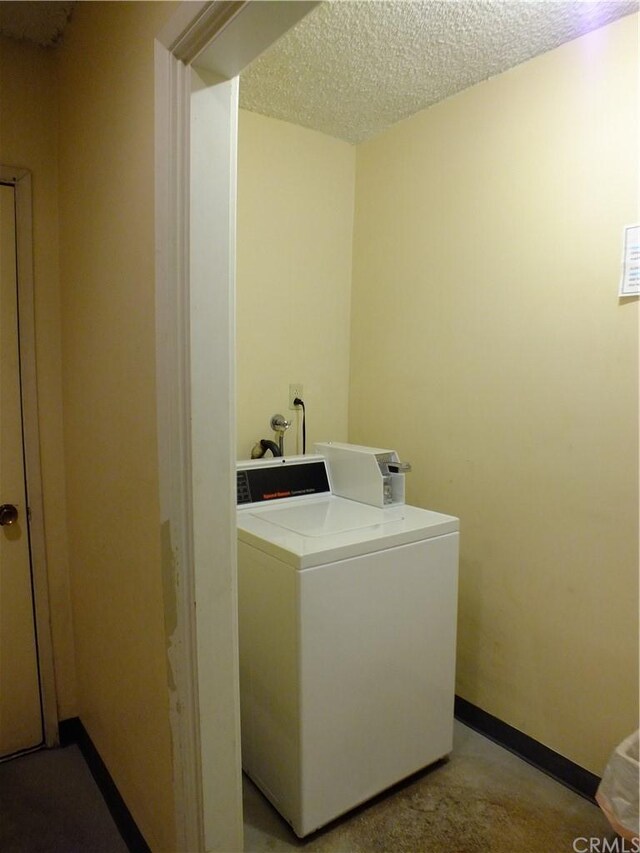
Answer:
(351, 69)
(41, 22)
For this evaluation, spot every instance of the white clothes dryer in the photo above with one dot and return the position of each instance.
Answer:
(347, 625)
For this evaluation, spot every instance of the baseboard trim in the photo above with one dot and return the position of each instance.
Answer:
(561, 769)
(69, 731)
(73, 732)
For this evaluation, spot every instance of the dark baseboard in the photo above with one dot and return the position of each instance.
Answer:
(69, 731)
(560, 768)
(72, 731)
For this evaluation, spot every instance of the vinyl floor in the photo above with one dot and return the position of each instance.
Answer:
(482, 800)
(49, 803)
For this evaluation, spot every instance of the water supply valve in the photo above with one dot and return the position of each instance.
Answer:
(279, 424)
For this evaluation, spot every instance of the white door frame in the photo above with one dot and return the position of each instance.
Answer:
(198, 56)
(20, 179)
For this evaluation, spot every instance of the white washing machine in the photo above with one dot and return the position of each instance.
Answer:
(347, 623)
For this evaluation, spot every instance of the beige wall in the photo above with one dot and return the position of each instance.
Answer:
(486, 255)
(28, 122)
(106, 145)
(486, 265)
(295, 228)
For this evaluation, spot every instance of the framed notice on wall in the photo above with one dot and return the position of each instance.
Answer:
(630, 278)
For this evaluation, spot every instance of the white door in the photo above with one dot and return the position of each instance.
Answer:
(20, 709)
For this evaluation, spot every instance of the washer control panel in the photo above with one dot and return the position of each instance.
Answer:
(257, 483)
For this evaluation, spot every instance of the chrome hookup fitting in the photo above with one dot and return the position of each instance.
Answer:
(279, 424)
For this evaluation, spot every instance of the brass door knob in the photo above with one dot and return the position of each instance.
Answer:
(8, 514)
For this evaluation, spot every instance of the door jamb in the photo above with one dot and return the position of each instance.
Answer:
(21, 181)
(204, 45)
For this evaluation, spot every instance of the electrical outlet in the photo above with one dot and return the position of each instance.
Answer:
(295, 390)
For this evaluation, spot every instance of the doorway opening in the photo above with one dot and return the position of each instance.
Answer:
(29, 713)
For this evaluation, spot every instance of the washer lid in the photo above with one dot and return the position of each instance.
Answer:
(327, 517)
(320, 530)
